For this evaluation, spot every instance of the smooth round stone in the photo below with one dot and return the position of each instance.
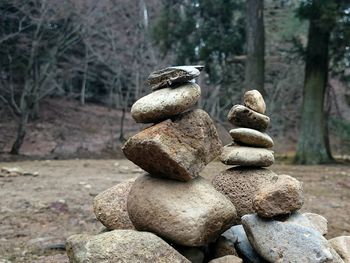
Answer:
(244, 117)
(172, 75)
(318, 222)
(246, 156)
(342, 246)
(255, 101)
(165, 103)
(251, 137)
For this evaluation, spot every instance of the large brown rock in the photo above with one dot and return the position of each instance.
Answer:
(187, 213)
(241, 184)
(165, 103)
(110, 206)
(244, 117)
(127, 246)
(282, 197)
(178, 148)
(342, 246)
(255, 101)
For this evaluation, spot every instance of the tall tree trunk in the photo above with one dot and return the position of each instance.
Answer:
(255, 63)
(21, 132)
(83, 85)
(313, 144)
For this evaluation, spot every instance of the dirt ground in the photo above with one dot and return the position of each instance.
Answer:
(37, 213)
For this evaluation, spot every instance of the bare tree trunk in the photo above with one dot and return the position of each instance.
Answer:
(255, 63)
(21, 132)
(121, 136)
(313, 144)
(83, 85)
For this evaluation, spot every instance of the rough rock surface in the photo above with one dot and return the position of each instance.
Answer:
(342, 246)
(255, 101)
(251, 137)
(284, 241)
(227, 259)
(187, 213)
(241, 184)
(165, 103)
(110, 206)
(193, 254)
(178, 148)
(225, 247)
(282, 197)
(244, 117)
(318, 222)
(246, 156)
(172, 75)
(127, 246)
(239, 239)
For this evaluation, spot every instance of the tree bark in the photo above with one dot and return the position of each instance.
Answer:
(313, 144)
(22, 128)
(255, 34)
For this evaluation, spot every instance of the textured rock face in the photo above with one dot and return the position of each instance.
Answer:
(227, 259)
(225, 247)
(342, 246)
(193, 254)
(187, 213)
(318, 222)
(110, 206)
(286, 241)
(255, 101)
(282, 197)
(240, 240)
(121, 246)
(244, 117)
(178, 148)
(165, 103)
(251, 137)
(246, 156)
(172, 75)
(241, 184)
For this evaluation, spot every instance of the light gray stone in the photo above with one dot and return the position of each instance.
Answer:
(127, 246)
(172, 75)
(187, 213)
(227, 259)
(110, 206)
(319, 222)
(255, 101)
(165, 103)
(284, 241)
(251, 137)
(283, 197)
(178, 148)
(342, 246)
(244, 117)
(239, 239)
(246, 156)
(241, 184)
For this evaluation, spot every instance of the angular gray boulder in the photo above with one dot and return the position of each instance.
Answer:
(127, 246)
(187, 213)
(178, 148)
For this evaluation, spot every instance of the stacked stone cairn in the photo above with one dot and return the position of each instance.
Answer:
(172, 214)
(270, 229)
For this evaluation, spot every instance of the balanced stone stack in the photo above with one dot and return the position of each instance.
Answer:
(271, 229)
(172, 202)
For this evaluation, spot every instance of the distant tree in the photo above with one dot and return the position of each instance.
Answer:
(324, 17)
(255, 35)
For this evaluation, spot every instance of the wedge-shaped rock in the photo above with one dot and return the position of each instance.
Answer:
(241, 184)
(110, 206)
(282, 197)
(172, 75)
(127, 246)
(186, 213)
(246, 156)
(284, 241)
(251, 137)
(342, 246)
(244, 117)
(255, 101)
(178, 148)
(165, 103)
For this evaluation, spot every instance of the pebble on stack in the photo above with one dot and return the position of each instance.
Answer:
(172, 201)
(272, 230)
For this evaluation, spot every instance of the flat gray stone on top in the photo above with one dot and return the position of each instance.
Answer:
(165, 103)
(251, 137)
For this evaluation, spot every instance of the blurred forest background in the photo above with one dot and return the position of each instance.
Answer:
(71, 69)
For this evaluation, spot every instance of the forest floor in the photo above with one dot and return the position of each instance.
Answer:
(37, 213)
